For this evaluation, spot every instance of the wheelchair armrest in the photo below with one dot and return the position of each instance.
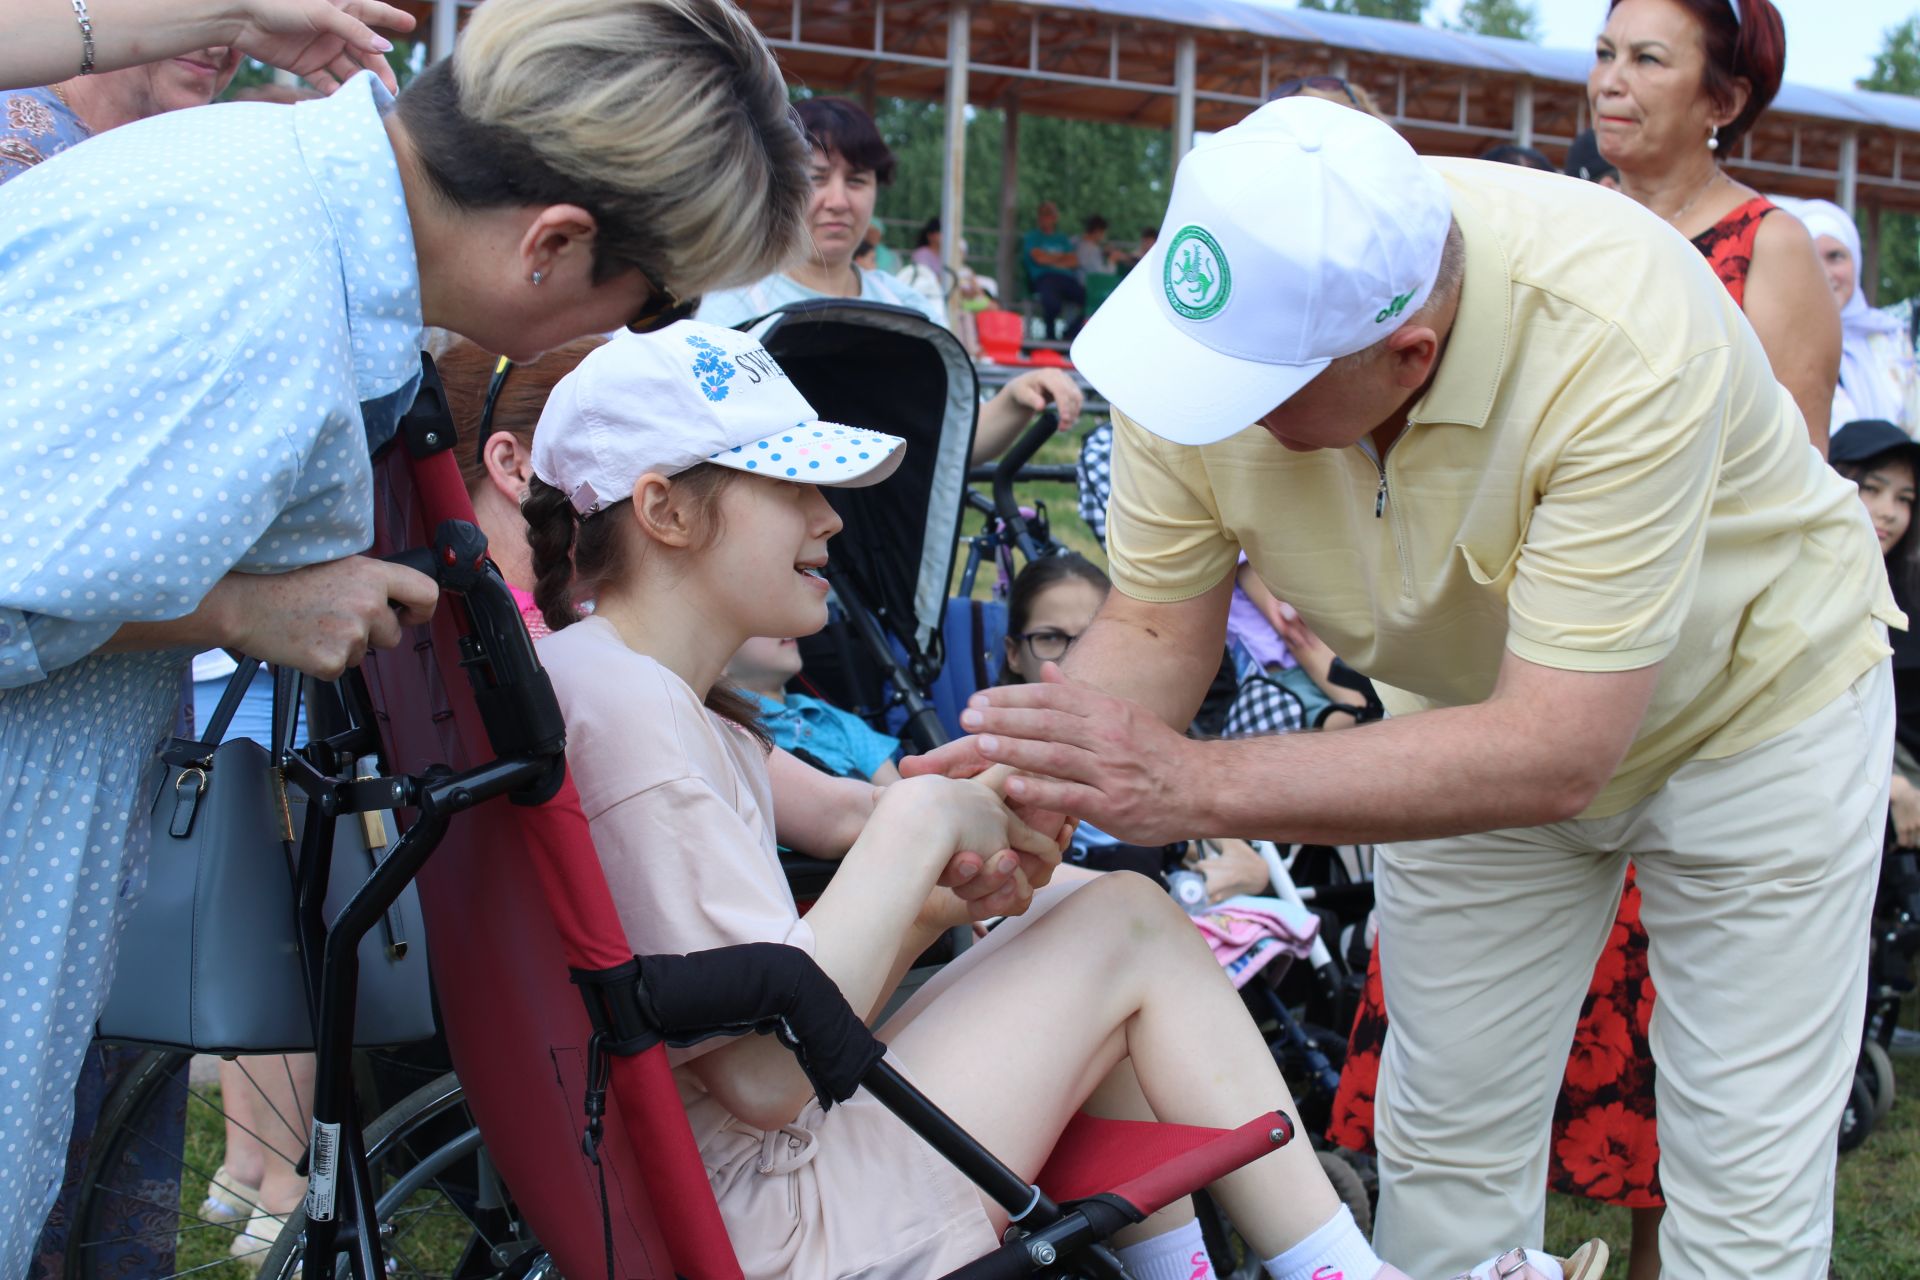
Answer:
(762, 987)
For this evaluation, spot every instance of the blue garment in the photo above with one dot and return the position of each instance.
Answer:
(34, 126)
(838, 739)
(207, 298)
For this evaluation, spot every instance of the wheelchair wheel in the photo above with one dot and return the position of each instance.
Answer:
(1856, 1121)
(1875, 1061)
(442, 1210)
(138, 1210)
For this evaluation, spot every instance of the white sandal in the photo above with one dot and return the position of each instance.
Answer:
(1588, 1262)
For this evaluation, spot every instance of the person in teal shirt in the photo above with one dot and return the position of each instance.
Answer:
(1048, 256)
(818, 732)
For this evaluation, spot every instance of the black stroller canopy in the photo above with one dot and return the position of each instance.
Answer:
(889, 369)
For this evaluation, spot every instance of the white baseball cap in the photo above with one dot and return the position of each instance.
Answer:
(687, 394)
(1306, 232)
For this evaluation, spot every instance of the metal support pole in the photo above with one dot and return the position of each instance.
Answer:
(1523, 113)
(446, 25)
(953, 183)
(1005, 261)
(1869, 282)
(1184, 76)
(1849, 186)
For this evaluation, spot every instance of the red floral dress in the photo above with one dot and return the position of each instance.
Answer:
(1604, 1143)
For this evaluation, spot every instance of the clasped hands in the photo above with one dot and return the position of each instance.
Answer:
(1054, 749)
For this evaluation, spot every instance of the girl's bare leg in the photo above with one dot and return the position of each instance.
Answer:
(1023, 1037)
(245, 1160)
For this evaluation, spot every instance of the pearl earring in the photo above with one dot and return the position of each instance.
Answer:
(537, 277)
(1713, 140)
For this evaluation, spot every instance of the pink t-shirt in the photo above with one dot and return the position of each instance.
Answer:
(681, 808)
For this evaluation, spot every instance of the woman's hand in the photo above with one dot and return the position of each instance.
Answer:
(324, 618)
(1906, 813)
(324, 41)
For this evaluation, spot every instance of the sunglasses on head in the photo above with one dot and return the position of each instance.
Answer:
(662, 309)
(1299, 84)
(500, 372)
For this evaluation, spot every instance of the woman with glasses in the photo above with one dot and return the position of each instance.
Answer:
(224, 310)
(1052, 601)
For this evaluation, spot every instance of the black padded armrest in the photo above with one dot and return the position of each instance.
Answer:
(762, 987)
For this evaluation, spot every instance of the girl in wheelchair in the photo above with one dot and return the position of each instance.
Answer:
(677, 482)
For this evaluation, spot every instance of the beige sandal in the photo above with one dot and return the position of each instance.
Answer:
(229, 1199)
(250, 1244)
(1588, 1262)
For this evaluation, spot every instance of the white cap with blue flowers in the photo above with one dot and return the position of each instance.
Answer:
(688, 394)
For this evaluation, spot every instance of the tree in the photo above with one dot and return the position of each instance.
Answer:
(1515, 18)
(1399, 10)
(1896, 69)
(1121, 172)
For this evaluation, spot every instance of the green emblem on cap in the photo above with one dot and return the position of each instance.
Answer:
(1197, 277)
(1393, 308)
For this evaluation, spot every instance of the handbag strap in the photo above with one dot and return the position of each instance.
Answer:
(184, 751)
(286, 709)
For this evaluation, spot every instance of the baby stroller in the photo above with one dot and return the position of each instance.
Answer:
(558, 1031)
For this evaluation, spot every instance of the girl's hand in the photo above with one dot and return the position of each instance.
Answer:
(1235, 870)
(1906, 813)
(977, 828)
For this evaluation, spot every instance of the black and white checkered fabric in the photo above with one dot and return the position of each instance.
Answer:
(1264, 707)
(1094, 471)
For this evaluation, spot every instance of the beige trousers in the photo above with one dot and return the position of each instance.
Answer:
(1757, 876)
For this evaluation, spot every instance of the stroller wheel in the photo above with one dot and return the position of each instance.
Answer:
(1350, 1187)
(1875, 1063)
(1856, 1121)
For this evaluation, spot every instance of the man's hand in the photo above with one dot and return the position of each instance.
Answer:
(1101, 758)
(324, 618)
(324, 41)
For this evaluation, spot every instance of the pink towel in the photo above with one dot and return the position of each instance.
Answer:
(1247, 934)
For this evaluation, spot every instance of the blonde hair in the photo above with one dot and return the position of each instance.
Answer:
(1356, 97)
(666, 119)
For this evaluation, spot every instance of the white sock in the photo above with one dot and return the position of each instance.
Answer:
(1335, 1251)
(1179, 1254)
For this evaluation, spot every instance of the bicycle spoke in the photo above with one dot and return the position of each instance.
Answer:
(261, 1094)
(231, 1228)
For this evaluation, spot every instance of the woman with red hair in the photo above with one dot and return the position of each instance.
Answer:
(1676, 85)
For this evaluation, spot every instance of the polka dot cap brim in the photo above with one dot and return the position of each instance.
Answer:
(822, 453)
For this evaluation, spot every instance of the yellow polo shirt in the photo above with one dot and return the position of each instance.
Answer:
(1603, 475)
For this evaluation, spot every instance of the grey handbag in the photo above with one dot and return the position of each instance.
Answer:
(207, 960)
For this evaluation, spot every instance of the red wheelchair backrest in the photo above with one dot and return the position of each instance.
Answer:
(512, 898)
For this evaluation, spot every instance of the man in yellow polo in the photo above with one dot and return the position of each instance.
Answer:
(1515, 455)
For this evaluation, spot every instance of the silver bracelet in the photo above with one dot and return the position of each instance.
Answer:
(86, 36)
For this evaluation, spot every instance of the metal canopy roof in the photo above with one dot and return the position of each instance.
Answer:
(1189, 65)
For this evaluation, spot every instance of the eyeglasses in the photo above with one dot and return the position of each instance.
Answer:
(662, 309)
(1048, 645)
(500, 372)
(1330, 84)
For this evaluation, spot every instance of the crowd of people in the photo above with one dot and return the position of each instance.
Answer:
(1625, 566)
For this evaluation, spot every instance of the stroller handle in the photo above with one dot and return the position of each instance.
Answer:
(1005, 504)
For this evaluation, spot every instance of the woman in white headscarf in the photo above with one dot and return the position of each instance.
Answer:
(1878, 378)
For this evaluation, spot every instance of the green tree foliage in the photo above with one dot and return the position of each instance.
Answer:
(1896, 69)
(1399, 10)
(1515, 18)
(1117, 171)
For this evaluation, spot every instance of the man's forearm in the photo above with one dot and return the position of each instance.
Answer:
(1130, 659)
(1451, 771)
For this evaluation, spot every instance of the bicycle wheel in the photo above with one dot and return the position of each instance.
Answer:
(154, 1151)
(443, 1213)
